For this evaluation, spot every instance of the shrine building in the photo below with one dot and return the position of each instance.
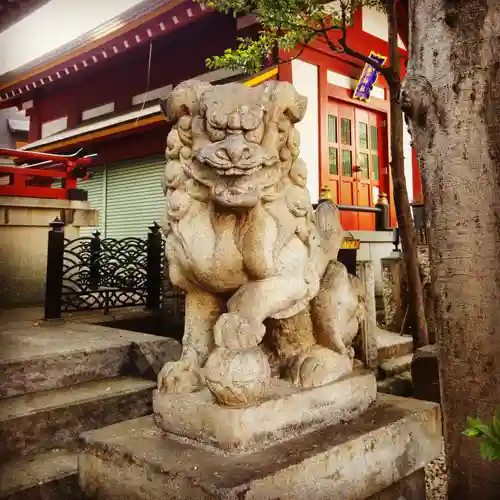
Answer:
(95, 75)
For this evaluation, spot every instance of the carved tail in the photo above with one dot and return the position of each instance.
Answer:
(330, 230)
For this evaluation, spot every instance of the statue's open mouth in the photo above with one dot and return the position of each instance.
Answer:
(243, 168)
(236, 171)
(225, 167)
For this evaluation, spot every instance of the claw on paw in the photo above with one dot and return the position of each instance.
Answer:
(319, 366)
(180, 377)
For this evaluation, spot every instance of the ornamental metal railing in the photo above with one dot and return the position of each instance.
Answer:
(103, 273)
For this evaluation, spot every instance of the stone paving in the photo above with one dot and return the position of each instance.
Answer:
(435, 479)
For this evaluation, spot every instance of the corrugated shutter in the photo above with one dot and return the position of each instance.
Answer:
(134, 197)
(96, 189)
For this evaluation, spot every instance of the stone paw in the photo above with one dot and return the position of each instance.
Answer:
(235, 332)
(319, 366)
(181, 376)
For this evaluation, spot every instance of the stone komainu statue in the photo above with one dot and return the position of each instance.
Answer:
(265, 295)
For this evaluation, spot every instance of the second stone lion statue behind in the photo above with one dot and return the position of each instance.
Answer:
(265, 295)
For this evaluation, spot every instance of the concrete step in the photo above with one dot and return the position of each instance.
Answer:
(55, 418)
(395, 366)
(398, 385)
(46, 476)
(391, 345)
(39, 357)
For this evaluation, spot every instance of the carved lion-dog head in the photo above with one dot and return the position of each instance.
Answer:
(235, 143)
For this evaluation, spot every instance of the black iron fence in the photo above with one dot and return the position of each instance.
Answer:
(380, 210)
(418, 211)
(103, 273)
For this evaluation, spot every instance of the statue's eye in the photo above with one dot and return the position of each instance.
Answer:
(215, 134)
(256, 135)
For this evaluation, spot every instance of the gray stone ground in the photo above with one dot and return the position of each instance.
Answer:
(435, 479)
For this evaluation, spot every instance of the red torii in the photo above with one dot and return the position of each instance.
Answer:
(20, 180)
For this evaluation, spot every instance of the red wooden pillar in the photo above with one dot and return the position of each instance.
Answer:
(35, 131)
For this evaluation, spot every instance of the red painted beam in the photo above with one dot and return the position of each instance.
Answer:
(31, 172)
(34, 155)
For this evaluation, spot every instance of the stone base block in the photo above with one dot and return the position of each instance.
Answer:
(365, 458)
(286, 412)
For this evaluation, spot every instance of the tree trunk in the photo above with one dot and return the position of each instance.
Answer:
(418, 325)
(452, 95)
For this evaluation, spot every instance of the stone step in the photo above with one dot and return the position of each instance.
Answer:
(395, 366)
(55, 418)
(47, 476)
(399, 385)
(391, 345)
(39, 357)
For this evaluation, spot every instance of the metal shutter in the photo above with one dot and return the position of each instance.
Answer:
(96, 189)
(134, 197)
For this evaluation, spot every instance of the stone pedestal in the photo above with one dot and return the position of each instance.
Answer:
(285, 412)
(368, 327)
(379, 456)
(394, 292)
(24, 227)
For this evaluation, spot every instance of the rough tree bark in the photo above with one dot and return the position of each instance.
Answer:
(452, 96)
(418, 324)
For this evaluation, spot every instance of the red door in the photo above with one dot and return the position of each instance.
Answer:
(369, 138)
(355, 160)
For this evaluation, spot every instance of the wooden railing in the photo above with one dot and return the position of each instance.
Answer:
(35, 181)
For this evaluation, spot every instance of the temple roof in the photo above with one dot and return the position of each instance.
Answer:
(12, 11)
(136, 26)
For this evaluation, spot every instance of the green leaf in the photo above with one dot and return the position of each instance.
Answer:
(471, 432)
(489, 450)
(473, 422)
(495, 427)
(488, 432)
(497, 412)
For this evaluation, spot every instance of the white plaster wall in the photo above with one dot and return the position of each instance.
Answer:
(375, 23)
(54, 126)
(305, 80)
(105, 109)
(53, 25)
(408, 161)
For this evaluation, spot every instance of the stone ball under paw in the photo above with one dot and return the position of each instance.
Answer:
(237, 378)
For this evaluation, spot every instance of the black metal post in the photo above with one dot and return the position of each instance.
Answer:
(95, 263)
(395, 239)
(382, 215)
(154, 274)
(418, 212)
(54, 277)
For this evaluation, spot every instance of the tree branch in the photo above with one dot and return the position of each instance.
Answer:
(301, 51)
(342, 47)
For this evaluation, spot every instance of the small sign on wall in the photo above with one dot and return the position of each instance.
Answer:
(368, 78)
